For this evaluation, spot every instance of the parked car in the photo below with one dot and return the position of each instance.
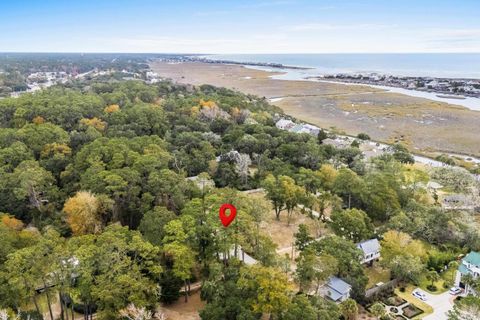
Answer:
(455, 290)
(419, 294)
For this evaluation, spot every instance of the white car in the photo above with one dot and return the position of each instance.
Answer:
(419, 294)
(455, 290)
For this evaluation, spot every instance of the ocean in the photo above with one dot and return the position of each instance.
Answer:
(448, 65)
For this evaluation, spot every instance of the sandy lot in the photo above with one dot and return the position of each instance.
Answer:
(184, 311)
(426, 126)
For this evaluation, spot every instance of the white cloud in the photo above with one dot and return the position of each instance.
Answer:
(330, 27)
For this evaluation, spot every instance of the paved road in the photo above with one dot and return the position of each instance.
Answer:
(441, 304)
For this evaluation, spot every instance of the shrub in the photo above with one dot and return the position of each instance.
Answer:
(363, 136)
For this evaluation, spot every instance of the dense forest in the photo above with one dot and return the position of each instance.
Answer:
(107, 203)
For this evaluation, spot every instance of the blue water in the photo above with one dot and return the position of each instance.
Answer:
(448, 65)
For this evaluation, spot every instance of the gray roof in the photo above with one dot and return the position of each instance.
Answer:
(334, 295)
(338, 285)
(369, 246)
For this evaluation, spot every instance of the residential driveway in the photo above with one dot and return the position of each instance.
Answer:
(441, 304)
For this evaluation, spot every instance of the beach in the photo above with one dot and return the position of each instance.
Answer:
(425, 126)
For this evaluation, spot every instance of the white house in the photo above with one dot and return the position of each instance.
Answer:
(285, 124)
(470, 265)
(336, 290)
(371, 250)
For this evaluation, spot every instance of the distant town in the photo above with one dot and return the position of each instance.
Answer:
(445, 87)
(203, 59)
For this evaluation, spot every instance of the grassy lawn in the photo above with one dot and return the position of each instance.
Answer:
(376, 274)
(446, 276)
(407, 295)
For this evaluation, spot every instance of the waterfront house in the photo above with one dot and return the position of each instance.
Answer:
(371, 250)
(469, 265)
(336, 290)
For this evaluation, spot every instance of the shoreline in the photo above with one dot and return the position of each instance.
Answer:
(471, 103)
(204, 59)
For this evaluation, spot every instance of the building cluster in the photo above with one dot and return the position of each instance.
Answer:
(40, 80)
(337, 289)
(152, 77)
(466, 87)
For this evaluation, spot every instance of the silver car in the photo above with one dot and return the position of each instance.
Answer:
(419, 294)
(455, 290)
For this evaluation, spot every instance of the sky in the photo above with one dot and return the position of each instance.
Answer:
(262, 26)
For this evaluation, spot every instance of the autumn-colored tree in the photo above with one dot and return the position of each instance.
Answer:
(55, 149)
(396, 243)
(84, 212)
(112, 108)
(10, 222)
(38, 120)
(95, 123)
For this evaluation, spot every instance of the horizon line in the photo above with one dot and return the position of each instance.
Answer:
(230, 53)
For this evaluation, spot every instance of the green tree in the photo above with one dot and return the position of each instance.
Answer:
(313, 270)
(271, 292)
(302, 237)
(182, 255)
(352, 224)
(349, 309)
(348, 186)
(275, 193)
(322, 135)
(466, 309)
(153, 223)
(407, 268)
(115, 268)
(432, 276)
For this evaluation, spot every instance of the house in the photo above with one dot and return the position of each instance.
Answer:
(285, 124)
(469, 265)
(370, 249)
(240, 255)
(336, 290)
(308, 128)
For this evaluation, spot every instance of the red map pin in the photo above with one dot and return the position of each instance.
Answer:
(226, 220)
